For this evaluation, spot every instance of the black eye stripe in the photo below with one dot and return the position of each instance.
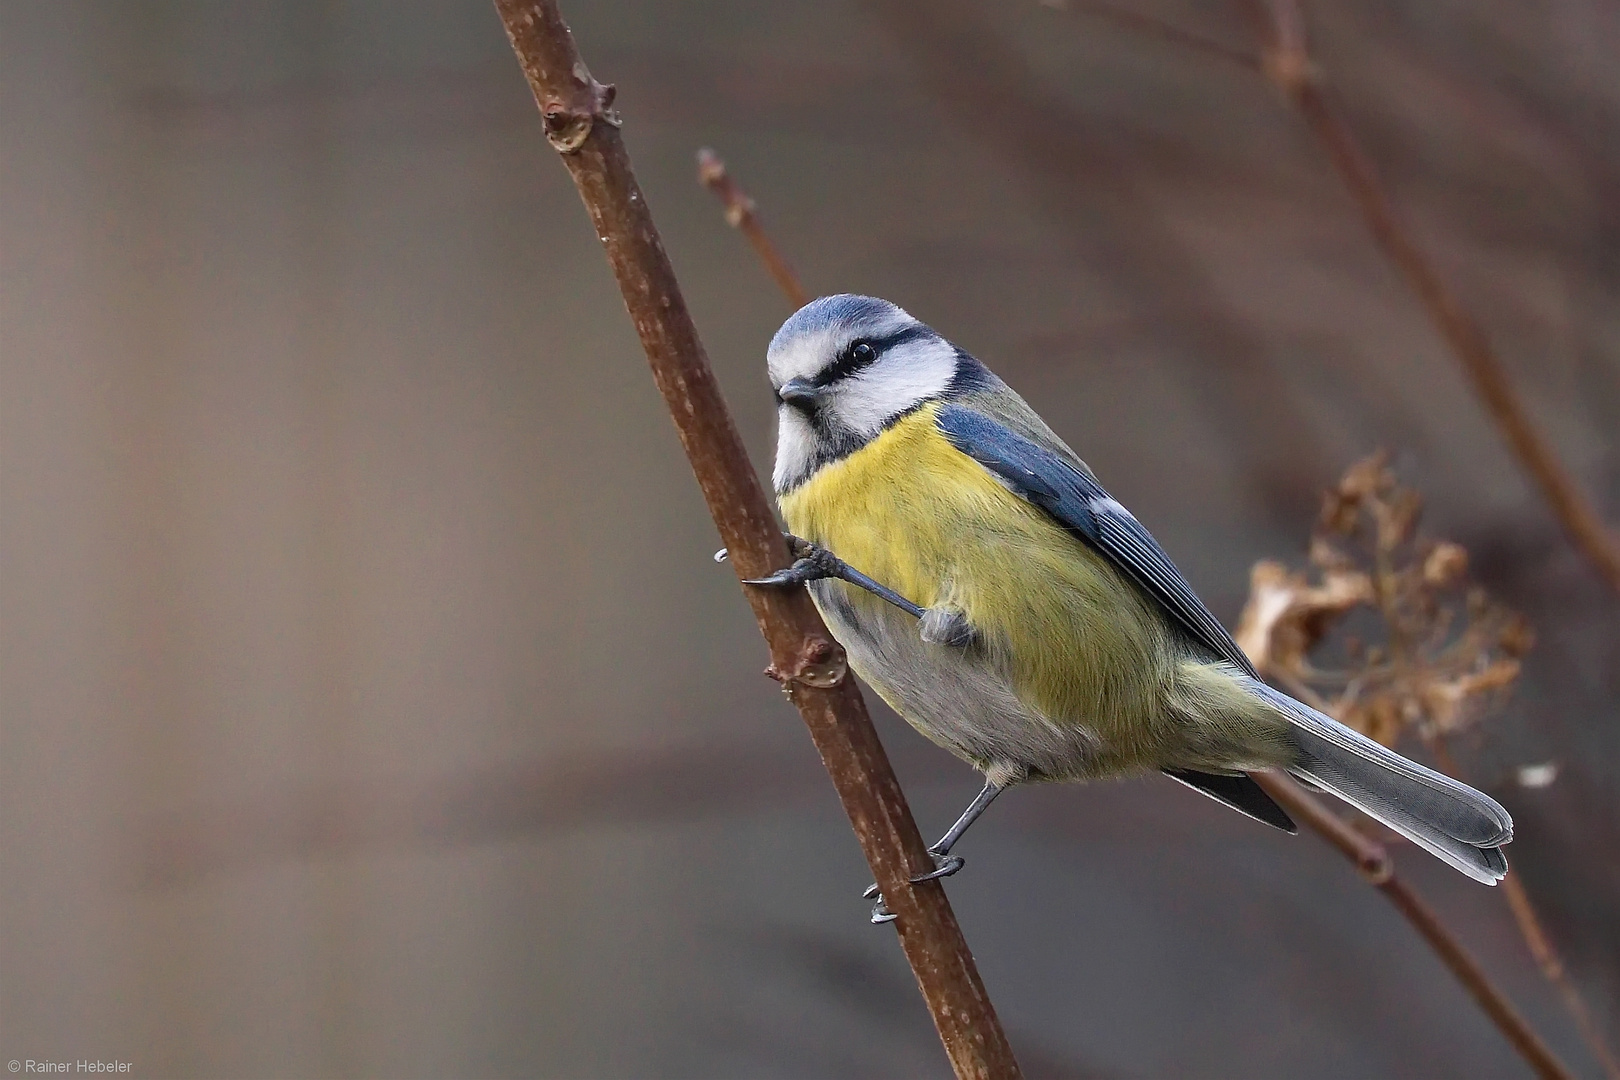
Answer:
(860, 354)
(848, 363)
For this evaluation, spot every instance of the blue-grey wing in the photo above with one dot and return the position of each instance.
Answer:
(1080, 504)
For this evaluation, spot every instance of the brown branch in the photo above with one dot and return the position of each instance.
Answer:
(1288, 63)
(581, 124)
(741, 214)
(1373, 860)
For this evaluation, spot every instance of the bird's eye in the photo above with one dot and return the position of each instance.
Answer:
(857, 356)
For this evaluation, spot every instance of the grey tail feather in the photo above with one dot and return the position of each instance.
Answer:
(1462, 827)
(1240, 792)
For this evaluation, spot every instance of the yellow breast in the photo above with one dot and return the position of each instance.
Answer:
(915, 513)
(901, 507)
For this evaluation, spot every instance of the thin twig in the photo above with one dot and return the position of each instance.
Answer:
(742, 215)
(1289, 64)
(1152, 26)
(1376, 865)
(1438, 664)
(1090, 190)
(1553, 969)
(1541, 947)
(581, 124)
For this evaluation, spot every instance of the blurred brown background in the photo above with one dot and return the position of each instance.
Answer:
(371, 705)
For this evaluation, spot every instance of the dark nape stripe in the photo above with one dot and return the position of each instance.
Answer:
(971, 377)
(900, 337)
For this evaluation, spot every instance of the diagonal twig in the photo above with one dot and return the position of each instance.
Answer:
(742, 215)
(1153, 26)
(1541, 947)
(581, 124)
(1375, 864)
(1288, 63)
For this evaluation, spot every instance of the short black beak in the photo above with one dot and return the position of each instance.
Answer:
(800, 393)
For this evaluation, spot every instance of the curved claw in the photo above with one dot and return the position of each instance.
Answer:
(811, 564)
(790, 575)
(944, 870)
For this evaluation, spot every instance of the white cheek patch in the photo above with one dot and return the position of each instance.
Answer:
(795, 446)
(903, 376)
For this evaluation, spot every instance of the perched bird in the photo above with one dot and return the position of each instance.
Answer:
(986, 586)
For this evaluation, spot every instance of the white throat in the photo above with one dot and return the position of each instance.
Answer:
(860, 407)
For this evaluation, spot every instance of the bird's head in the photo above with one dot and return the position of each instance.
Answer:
(844, 368)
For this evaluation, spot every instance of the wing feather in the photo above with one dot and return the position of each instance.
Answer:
(1077, 502)
(1072, 496)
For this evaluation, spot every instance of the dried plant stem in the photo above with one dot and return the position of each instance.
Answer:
(1552, 968)
(1373, 860)
(742, 215)
(1541, 947)
(1288, 63)
(1375, 864)
(1152, 26)
(581, 124)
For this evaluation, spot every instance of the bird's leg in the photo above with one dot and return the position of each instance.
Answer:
(939, 626)
(945, 864)
(814, 562)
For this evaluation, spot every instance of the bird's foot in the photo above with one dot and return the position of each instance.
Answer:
(947, 626)
(812, 562)
(944, 866)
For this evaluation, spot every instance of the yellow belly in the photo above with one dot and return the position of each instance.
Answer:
(1076, 642)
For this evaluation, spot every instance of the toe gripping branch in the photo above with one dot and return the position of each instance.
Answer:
(814, 562)
(945, 864)
(944, 867)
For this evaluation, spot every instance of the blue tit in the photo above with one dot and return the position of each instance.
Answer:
(985, 584)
